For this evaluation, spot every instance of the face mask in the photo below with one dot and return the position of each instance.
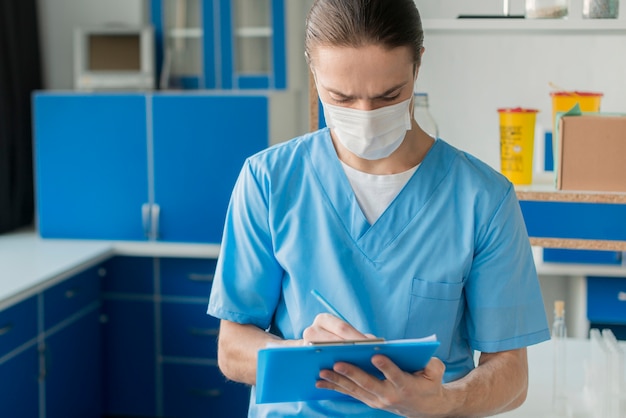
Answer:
(370, 134)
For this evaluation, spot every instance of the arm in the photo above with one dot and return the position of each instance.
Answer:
(499, 383)
(237, 350)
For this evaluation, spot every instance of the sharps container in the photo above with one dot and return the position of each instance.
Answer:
(517, 137)
(562, 101)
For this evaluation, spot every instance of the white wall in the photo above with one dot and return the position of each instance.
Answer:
(57, 20)
(470, 74)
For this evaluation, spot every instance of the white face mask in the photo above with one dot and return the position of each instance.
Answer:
(370, 134)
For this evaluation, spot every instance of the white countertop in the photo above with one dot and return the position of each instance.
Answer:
(29, 264)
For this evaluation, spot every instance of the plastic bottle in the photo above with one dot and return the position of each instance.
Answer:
(559, 335)
(423, 116)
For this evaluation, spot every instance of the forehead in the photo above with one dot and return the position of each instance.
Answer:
(369, 66)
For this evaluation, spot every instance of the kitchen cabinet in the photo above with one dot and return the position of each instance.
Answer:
(222, 44)
(72, 342)
(50, 352)
(19, 360)
(192, 382)
(160, 352)
(142, 167)
(91, 165)
(129, 338)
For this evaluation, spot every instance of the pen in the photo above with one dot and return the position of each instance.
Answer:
(327, 305)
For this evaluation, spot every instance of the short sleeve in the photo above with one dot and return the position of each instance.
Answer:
(505, 305)
(247, 280)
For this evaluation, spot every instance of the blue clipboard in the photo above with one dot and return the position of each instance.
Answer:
(288, 374)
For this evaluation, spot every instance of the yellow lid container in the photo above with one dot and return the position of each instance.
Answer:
(562, 101)
(517, 142)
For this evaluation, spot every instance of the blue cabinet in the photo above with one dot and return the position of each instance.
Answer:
(91, 165)
(222, 44)
(200, 145)
(136, 167)
(129, 340)
(160, 346)
(50, 352)
(19, 360)
(73, 369)
(72, 344)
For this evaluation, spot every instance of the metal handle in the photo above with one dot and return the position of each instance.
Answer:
(71, 293)
(155, 212)
(197, 277)
(204, 332)
(207, 393)
(145, 219)
(5, 329)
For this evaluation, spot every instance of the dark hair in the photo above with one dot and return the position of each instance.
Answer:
(355, 23)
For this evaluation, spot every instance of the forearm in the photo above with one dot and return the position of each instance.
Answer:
(237, 350)
(498, 384)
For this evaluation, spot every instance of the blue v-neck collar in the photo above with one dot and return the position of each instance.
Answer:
(373, 240)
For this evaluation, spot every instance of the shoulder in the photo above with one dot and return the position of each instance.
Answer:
(470, 172)
(283, 158)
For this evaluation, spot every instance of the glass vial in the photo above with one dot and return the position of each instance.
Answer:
(422, 115)
(559, 335)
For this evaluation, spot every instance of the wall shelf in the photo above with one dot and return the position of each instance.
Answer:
(547, 193)
(606, 26)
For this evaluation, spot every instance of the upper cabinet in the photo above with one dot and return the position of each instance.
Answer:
(222, 44)
(146, 167)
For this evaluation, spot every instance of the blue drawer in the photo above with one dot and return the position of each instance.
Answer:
(187, 276)
(199, 391)
(18, 324)
(70, 296)
(557, 255)
(128, 275)
(188, 331)
(606, 300)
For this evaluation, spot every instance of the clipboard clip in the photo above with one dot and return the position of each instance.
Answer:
(349, 342)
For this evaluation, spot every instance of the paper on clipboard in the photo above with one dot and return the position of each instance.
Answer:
(288, 374)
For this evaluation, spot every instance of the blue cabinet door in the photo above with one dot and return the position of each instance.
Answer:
(73, 369)
(200, 144)
(19, 385)
(129, 358)
(90, 165)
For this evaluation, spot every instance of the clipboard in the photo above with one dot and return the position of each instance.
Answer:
(288, 374)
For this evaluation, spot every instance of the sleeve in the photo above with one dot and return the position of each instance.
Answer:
(505, 305)
(247, 282)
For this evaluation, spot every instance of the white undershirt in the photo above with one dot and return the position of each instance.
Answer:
(375, 192)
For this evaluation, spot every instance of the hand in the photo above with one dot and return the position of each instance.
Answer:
(327, 327)
(420, 394)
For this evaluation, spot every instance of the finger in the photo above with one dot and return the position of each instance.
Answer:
(434, 370)
(389, 369)
(352, 381)
(327, 327)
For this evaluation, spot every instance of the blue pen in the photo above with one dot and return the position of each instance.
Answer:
(327, 305)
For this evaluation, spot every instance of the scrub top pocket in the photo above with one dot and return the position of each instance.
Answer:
(434, 308)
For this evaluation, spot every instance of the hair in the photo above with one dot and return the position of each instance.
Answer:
(356, 23)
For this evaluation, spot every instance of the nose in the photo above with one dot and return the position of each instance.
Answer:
(366, 104)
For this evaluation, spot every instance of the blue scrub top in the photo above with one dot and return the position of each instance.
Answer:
(450, 256)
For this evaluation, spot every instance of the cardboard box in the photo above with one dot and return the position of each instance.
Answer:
(591, 153)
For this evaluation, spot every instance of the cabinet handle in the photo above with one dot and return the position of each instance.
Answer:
(204, 332)
(206, 393)
(155, 212)
(196, 277)
(621, 296)
(72, 293)
(145, 219)
(5, 329)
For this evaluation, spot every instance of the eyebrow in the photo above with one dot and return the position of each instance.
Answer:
(386, 93)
